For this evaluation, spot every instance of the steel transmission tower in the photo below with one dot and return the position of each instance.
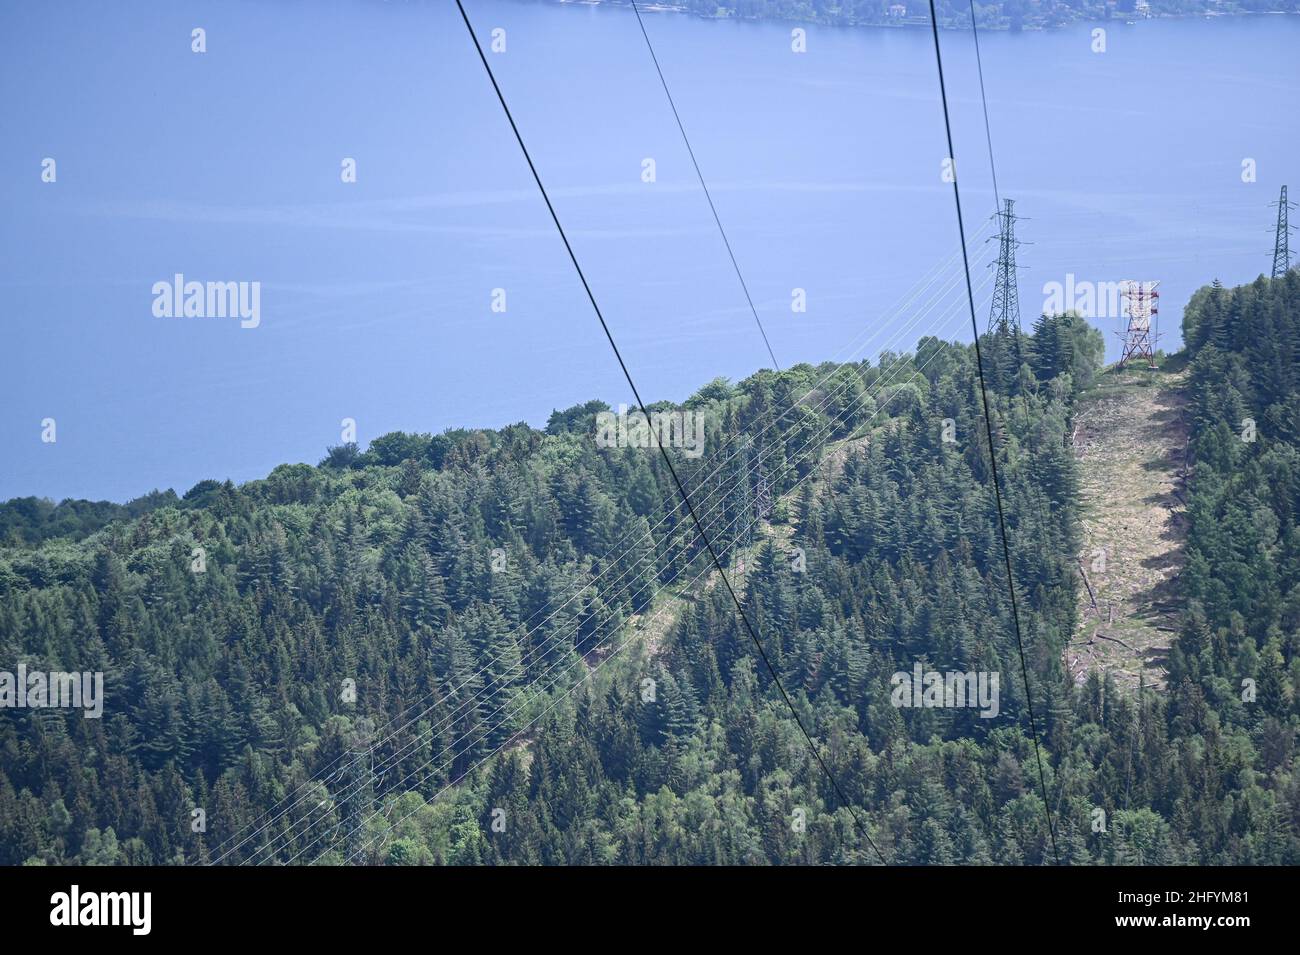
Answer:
(1282, 244)
(357, 795)
(1143, 304)
(1005, 314)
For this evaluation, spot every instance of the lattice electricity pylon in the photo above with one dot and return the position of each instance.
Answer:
(758, 507)
(762, 498)
(356, 801)
(1282, 244)
(1143, 305)
(1005, 314)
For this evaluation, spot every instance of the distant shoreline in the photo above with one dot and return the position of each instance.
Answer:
(909, 22)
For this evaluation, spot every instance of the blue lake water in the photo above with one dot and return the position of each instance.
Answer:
(376, 295)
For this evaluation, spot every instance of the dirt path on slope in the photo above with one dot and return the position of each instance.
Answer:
(1130, 443)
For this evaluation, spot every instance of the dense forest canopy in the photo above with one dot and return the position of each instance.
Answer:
(509, 646)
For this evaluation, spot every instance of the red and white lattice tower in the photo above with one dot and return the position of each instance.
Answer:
(1143, 304)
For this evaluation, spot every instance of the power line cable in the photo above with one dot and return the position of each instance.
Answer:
(667, 458)
(703, 185)
(988, 426)
(979, 63)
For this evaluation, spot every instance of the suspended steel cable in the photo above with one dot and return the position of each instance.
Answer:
(988, 427)
(667, 458)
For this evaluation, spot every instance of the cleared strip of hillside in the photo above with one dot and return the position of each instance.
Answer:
(1131, 442)
(652, 627)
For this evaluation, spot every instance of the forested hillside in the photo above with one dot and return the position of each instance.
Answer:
(509, 646)
(1242, 578)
